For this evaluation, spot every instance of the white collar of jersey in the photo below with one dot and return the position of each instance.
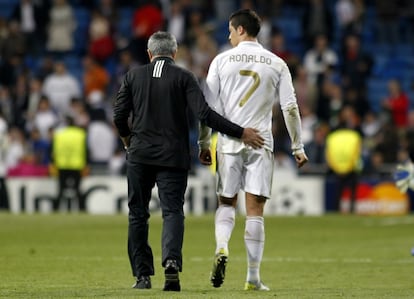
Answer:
(250, 44)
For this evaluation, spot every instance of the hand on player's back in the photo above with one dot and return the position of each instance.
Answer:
(252, 137)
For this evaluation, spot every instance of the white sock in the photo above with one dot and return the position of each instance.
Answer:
(224, 224)
(254, 237)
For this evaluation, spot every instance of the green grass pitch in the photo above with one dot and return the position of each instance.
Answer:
(84, 256)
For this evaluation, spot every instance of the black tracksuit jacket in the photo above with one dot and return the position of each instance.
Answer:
(158, 95)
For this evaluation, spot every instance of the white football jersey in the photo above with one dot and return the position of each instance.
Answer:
(243, 84)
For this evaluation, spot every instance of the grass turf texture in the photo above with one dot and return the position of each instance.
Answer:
(84, 256)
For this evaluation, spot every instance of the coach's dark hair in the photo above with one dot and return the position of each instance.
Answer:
(248, 19)
(162, 43)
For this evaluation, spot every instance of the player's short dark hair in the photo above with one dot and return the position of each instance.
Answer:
(248, 19)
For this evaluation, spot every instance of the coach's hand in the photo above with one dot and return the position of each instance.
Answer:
(205, 157)
(251, 137)
(301, 159)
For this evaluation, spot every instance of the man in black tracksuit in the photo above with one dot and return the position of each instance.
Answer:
(158, 151)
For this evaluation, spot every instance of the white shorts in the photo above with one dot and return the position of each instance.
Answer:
(250, 170)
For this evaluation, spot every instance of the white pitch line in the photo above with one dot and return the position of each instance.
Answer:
(312, 260)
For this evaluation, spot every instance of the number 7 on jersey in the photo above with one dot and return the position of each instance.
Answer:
(256, 82)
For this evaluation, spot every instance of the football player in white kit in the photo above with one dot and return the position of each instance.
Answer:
(243, 84)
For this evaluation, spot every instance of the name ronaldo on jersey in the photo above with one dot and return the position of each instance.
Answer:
(249, 58)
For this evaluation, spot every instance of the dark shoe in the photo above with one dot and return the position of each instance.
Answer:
(172, 281)
(219, 268)
(143, 282)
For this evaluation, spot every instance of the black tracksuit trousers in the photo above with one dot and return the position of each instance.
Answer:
(171, 183)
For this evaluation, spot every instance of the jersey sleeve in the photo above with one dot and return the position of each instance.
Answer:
(290, 110)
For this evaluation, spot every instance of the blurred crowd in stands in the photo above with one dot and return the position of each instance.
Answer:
(352, 63)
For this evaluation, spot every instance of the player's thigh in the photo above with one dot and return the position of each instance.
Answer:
(258, 172)
(229, 174)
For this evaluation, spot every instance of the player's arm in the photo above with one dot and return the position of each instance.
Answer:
(291, 116)
(211, 93)
(122, 108)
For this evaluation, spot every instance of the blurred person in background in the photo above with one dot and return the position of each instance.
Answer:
(44, 118)
(101, 42)
(318, 59)
(69, 155)
(317, 20)
(146, 20)
(396, 104)
(355, 65)
(60, 87)
(4, 143)
(306, 92)
(33, 18)
(60, 39)
(102, 142)
(95, 76)
(14, 42)
(278, 47)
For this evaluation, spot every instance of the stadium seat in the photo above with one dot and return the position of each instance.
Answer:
(81, 35)
(290, 27)
(5, 11)
(124, 24)
(377, 91)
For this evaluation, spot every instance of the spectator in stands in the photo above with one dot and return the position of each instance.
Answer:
(17, 147)
(102, 142)
(146, 20)
(387, 143)
(6, 104)
(4, 144)
(44, 119)
(315, 149)
(33, 98)
(318, 59)
(41, 147)
(396, 104)
(357, 99)
(306, 92)
(356, 65)
(109, 10)
(101, 44)
(309, 121)
(202, 52)
(125, 63)
(79, 113)
(14, 43)
(60, 87)
(317, 20)
(349, 16)
(278, 47)
(195, 24)
(62, 25)
(176, 21)
(95, 76)
(32, 17)
(20, 101)
(4, 32)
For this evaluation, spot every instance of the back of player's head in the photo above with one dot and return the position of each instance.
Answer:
(248, 19)
(162, 43)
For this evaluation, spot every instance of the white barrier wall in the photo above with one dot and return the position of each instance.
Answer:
(291, 195)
